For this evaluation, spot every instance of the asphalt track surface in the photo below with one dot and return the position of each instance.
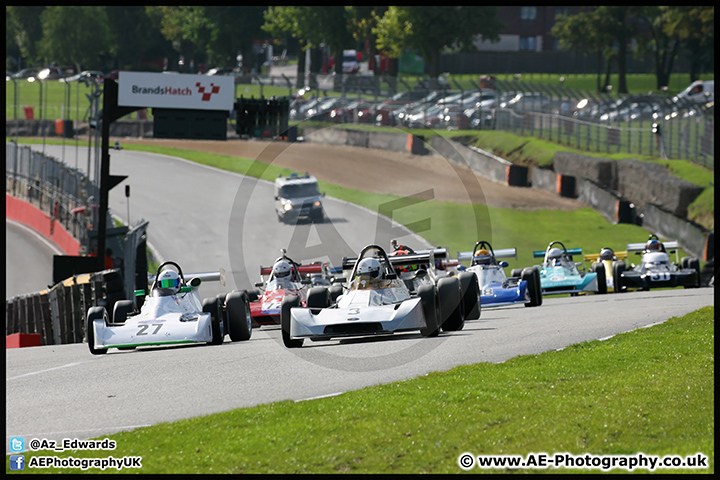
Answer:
(195, 214)
(31, 257)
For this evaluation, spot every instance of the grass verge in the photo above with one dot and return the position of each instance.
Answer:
(650, 390)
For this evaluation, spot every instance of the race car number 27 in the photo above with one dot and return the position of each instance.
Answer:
(660, 277)
(144, 328)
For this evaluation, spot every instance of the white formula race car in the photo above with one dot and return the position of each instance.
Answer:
(378, 302)
(171, 314)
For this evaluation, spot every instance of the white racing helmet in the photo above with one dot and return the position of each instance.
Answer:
(282, 269)
(168, 282)
(554, 254)
(370, 267)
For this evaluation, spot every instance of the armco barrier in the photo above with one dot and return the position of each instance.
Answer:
(31, 216)
(694, 239)
(610, 205)
(659, 187)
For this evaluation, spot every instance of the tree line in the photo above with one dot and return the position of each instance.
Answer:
(115, 37)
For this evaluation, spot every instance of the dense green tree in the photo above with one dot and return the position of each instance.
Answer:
(74, 35)
(430, 29)
(27, 29)
(695, 26)
(362, 22)
(136, 39)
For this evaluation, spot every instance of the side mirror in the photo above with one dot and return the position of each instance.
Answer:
(259, 284)
(503, 264)
(140, 293)
(391, 276)
(306, 281)
(186, 289)
(338, 280)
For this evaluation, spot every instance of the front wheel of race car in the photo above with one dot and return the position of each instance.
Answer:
(599, 269)
(239, 317)
(317, 299)
(290, 301)
(428, 300)
(617, 270)
(95, 313)
(531, 276)
(121, 310)
(694, 264)
(212, 306)
(451, 314)
(470, 295)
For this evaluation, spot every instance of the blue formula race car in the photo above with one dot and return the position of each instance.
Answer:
(560, 274)
(496, 289)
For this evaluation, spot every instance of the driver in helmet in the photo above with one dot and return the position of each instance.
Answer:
(607, 254)
(653, 245)
(482, 257)
(554, 257)
(168, 283)
(397, 247)
(369, 273)
(281, 271)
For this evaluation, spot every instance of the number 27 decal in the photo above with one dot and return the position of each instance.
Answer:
(143, 329)
(660, 277)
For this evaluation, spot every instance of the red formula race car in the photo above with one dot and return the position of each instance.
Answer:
(285, 277)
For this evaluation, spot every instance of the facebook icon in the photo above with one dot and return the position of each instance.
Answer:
(17, 462)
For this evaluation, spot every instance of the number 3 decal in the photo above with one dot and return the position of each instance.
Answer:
(143, 329)
(660, 277)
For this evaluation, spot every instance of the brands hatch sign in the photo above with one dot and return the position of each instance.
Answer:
(175, 90)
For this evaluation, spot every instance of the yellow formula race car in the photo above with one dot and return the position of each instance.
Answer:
(607, 259)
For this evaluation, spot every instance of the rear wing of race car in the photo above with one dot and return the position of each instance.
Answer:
(669, 247)
(194, 279)
(570, 251)
(316, 267)
(595, 257)
(421, 257)
(500, 253)
(638, 247)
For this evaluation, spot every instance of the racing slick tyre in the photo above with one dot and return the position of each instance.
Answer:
(599, 269)
(694, 264)
(470, 295)
(617, 270)
(516, 272)
(427, 295)
(450, 299)
(531, 276)
(253, 295)
(95, 313)
(290, 301)
(317, 299)
(238, 316)
(212, 306)
(684, 262)
(335, 291)
(121, 310)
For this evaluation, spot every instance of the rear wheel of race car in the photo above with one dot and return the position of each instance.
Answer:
(451, 315)
(317, 299)
(290, 301)
(539, 286)
(617, 269)
(428, 300)
(516, 272)
(599, 269)
(531, 275)
(470, 295)
(212, 306)
(121, 310)
(95, 313)
(239, 317)
(694, 264)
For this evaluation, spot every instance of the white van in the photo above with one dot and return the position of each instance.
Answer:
(700, 91)
(350, 62)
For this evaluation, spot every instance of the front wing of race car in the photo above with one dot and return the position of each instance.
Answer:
(171, 328)
(557, 280)
(357, 321)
